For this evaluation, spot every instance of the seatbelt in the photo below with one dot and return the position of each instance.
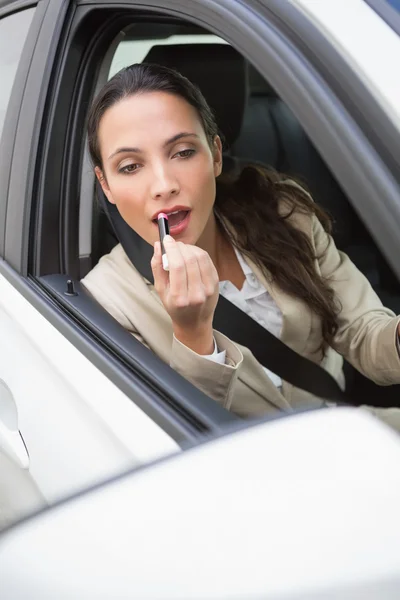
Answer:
(269, 350)
(274, 354)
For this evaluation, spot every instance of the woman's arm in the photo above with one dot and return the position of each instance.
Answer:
(215, 379)
(189, 293)
(367, 334)
(115, 285)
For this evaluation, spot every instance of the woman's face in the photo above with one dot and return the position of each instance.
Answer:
(156, 158)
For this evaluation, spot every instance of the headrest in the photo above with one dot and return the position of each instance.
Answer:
(221, 74)
(258, 85)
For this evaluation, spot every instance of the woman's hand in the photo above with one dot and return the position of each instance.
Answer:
(189, 292)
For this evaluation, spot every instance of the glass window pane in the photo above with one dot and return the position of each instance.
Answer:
(13, 32)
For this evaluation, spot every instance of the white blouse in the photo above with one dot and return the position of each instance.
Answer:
(254, 300)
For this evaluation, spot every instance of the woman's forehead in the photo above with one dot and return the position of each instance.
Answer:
(152, 116)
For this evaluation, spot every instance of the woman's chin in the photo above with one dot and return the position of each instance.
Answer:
(185, 239)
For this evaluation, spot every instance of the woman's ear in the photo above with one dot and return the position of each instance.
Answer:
(217, 151)
(104, 185)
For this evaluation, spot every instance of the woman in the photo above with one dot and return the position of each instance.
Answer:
(259, 240)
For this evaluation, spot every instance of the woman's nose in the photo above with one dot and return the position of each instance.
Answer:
(164, 184)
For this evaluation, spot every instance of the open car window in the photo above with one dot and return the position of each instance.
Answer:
(129, 52)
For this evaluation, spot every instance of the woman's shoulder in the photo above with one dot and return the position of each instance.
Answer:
(115, 264)
(300, 217)
(114, 283)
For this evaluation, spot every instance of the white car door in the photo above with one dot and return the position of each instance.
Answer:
(303, 508)
(76, 425)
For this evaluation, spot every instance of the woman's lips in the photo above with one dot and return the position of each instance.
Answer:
(181, 225)
(178, 222)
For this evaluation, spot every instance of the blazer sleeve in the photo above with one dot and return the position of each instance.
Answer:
(367, 333)
(214, 379)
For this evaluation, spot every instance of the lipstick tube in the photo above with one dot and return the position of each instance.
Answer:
(163, 229)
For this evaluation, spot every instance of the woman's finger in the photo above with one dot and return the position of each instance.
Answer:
(208, 272)
(177, 270)
(196, 293)
(160, 276)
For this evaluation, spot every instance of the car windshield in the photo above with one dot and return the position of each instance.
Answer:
(394, 3)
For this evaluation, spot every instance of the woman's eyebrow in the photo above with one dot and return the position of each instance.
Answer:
(179, 136)
(123, 150)
(174, 138)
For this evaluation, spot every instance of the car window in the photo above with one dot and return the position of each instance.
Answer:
(129, 52)
(269, 134)
(394, 3)
(13, 31)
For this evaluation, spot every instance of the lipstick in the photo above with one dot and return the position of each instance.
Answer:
(163, 229)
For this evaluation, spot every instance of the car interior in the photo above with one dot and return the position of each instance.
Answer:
(257, 126)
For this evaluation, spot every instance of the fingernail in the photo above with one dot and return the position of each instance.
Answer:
(168, 238)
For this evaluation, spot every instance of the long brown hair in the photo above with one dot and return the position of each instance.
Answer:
(251, 201)
(258, 204)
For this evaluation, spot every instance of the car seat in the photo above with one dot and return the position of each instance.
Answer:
(221, 74)
(272, 134)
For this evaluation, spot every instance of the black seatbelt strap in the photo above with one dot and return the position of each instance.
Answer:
(269, 350)
(274, 354)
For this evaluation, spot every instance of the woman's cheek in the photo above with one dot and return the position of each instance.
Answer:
(133, 211)
(127, 195)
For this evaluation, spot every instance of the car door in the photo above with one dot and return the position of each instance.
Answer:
(306, 525)
(90, 400)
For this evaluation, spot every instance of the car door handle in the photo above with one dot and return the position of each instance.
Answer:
(11, 441)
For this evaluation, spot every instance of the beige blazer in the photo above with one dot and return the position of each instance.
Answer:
(366, 336)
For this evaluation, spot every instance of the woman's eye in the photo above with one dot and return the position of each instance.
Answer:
(129, 168)
(185, 153)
